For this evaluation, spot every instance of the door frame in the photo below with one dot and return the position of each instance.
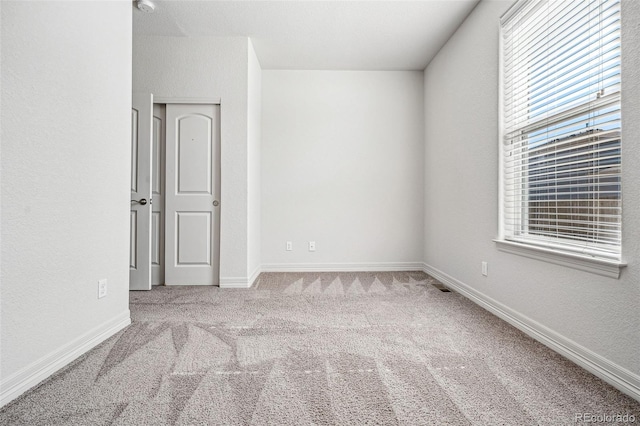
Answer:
(159, 144)
(183, 100)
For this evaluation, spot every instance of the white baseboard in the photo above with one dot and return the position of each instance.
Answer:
(185, 284)
(235, 282)
(343, 267)
(26, 378)
(240, 282)
(618, 377)
(254, 275)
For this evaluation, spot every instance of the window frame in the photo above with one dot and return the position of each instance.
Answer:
(545, 252)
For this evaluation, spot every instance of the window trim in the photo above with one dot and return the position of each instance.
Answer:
(583, 262)
(606, 267)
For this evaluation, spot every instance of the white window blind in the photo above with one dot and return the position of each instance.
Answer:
(561, 125)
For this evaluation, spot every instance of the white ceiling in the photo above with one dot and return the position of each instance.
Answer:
(344, 35)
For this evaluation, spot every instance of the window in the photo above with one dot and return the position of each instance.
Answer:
(561, 122)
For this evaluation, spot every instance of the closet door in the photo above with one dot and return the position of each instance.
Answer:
(140, 214)
(192, 228)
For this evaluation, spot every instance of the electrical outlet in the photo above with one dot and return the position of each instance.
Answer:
(312, 246)
(102, 288)
(289, 246)
(485, 269)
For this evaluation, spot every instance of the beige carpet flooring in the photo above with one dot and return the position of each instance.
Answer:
(326, 349)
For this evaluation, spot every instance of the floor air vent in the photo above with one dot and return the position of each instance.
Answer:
(441, 287)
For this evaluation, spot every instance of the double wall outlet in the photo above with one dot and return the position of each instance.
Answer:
(312, 246)
(289, 246)
(102, 288)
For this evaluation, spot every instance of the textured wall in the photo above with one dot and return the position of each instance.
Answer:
(254, 134)
(208, 68)
(66, 143)
(342, 165)
(461, 197)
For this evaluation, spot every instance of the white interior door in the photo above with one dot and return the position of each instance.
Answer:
(157, 189)
(140, 217)
(192, 226)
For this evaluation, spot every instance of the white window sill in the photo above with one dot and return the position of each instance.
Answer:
(607, 268)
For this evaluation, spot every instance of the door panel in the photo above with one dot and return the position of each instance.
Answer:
(157, 185)
(156, 250)
(140, 217)
(194, 238)
(158, 148)
(135, 115)
(133, 252)
(194, 154)
(192, 185)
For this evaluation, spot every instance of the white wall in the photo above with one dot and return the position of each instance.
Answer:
(66, 102)
(595, 315)
(342, 165)
(213, 67)
(254, 134)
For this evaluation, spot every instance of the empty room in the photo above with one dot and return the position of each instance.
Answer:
(320, 212)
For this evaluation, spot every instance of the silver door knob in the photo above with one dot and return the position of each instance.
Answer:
(142, 201)
(216, 203)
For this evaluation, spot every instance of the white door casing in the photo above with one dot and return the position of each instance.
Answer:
(140, 215)
(192, 220)
(157, 189)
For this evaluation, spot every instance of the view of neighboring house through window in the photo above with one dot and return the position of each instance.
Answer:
(561, 126)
